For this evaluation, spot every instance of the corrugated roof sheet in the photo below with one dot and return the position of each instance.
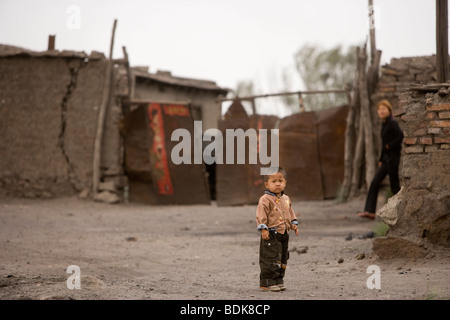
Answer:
(167, 78)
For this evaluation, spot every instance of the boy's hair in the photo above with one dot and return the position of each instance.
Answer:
(274, 170)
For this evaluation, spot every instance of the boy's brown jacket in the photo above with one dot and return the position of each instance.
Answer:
(275, 212)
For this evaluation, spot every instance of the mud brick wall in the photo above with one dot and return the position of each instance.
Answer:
(397, 76)
(419, 215)
(49, 105)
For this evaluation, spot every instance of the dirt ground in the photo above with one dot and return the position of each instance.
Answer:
(200, 252)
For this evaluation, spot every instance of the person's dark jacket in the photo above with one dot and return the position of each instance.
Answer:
(391, 137)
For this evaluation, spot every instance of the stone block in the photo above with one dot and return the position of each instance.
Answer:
(409, 140)
(440, 123)
(426, 140)
(431, 115)
(439, 107)
(397, 247)
(389, 212)
(107, 186)
(414, 149)
(434, 130)
(106, 196)
(444, 115)
(431, 148)
(442, 139)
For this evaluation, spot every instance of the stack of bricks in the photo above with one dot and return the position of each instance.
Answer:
(433, 132)
(397, 76)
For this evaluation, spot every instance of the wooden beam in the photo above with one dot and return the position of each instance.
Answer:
(51, 42)
(160, 101)
(101, 117)
(373, 47)
(221, 98)
(442, 41)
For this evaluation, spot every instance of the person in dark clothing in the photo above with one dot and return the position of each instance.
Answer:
(391, 137)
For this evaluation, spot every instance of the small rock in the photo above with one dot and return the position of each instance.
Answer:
(107, 197)
(349, 237)
(300, 250)
(107, 186)
(368, 235)
(84, 193)
(360, 256)
(443, 92)
(340, 260)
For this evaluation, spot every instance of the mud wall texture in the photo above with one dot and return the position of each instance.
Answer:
(397, 76)
(203, 103)
(419, 215)
(48, 120)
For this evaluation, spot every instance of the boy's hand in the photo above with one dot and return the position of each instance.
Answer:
(265, 234)
(295, 228)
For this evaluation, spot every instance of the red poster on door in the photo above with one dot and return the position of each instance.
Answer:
(158, 155)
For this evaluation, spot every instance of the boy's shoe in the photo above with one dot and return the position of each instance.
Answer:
(281, 286)
(273, 288)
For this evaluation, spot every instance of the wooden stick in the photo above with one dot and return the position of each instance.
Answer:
(51, 42)
(373, 47)
(443, 73)
(357, 158)
(129, 74)
(369, 150)
(101, 116)
(160, 101)
(284, 94)
(350, 134)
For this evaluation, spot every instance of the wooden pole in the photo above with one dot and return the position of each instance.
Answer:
(51, 42)
(366, 118)
(357, 156)
(101, 116)
(221, 99)
(253, 106)
(373, 47)
(350, 135)
(442, 41)
(301, 102)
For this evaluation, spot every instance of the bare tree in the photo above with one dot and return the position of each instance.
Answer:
(322, 69)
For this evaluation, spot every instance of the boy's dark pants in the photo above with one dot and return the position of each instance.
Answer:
(273, 256)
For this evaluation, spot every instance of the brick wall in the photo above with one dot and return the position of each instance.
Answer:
(433, 126)
(419, 215)
(397, 76)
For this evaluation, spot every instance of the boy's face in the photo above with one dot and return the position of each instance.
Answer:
(276, 183)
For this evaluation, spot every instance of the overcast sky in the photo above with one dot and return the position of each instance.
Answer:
(221, 40)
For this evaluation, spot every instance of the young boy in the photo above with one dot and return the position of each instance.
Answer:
(274, 217)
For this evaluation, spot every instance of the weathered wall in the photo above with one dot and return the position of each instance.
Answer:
(200, 100)
(396, 77)
(419, 215)
(311, 150)
(33, 91)
(48, 119)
